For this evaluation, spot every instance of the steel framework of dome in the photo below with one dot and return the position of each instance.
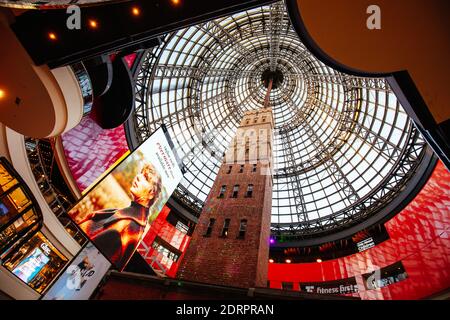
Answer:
(343, 148)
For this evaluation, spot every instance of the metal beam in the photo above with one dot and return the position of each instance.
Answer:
(275, 27)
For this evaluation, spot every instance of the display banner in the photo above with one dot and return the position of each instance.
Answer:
(365, 244)
(343, 286)
(81, 277)
(119, 210)
(385, 276)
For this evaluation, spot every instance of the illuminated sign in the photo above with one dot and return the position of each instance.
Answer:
(365, 244)
(29, 267)
(344, 286)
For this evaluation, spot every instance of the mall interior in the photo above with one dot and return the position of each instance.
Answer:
(301, 150)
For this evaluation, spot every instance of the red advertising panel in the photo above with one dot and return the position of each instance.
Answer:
(419, 239)
(164, 245)
(91, 150)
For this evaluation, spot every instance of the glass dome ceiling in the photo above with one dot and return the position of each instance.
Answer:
(343, 148)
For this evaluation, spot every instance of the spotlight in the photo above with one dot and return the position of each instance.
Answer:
(93, 24)
(52, 36)
(136, 11)
(319, 260)
(272, 240)
(2, 94)
(271, 260)
(288, 261)
(175, 2)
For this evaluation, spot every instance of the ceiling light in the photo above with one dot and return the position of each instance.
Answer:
(271, 260)
(2, 94)
(52, 36)
(175, 2)
(136, 11)
(93, 24)
(319, 260)
(288, 261)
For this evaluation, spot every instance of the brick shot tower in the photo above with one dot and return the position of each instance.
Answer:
(230, 244)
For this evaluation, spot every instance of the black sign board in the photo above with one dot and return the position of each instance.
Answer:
(343, 286)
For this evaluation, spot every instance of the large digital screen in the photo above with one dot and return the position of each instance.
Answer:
(29, 267)
(117, 213)
(385, 276)
(81, 277)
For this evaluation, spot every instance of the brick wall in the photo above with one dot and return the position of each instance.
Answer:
(230, 260)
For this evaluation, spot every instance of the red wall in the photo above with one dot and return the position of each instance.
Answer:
(91, 150)
(419, 237)
(160, 227)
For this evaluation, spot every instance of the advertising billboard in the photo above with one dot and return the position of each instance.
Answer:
(385, 276)
(119, 210)
(81, 277)
(29, 267)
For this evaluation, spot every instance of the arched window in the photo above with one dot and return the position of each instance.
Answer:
(226, 226)
(210, 227)
(242, 229)
(235, 191)
(249, 193)
(223, 189)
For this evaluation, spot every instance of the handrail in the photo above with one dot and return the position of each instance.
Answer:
(58, 203)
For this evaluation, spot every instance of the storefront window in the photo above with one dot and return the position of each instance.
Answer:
(37, 262)
(12, 204)
(20, 217)
(13, 231)
(7, 181)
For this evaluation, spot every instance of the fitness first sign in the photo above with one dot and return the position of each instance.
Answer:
(344, 286)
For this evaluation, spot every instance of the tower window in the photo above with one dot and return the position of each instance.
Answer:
(241, 169)
(254, 168)
(264, 119)
(223, 189)
(210, 227)
(235, 191)
(256, 120)
(249, 191)
(247, 122)
(226, 226)
(242, 229)
(229, 169)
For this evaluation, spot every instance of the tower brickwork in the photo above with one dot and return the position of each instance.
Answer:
(230, 244)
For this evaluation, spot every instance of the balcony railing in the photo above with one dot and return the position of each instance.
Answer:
(56, 200)
(85, 86)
